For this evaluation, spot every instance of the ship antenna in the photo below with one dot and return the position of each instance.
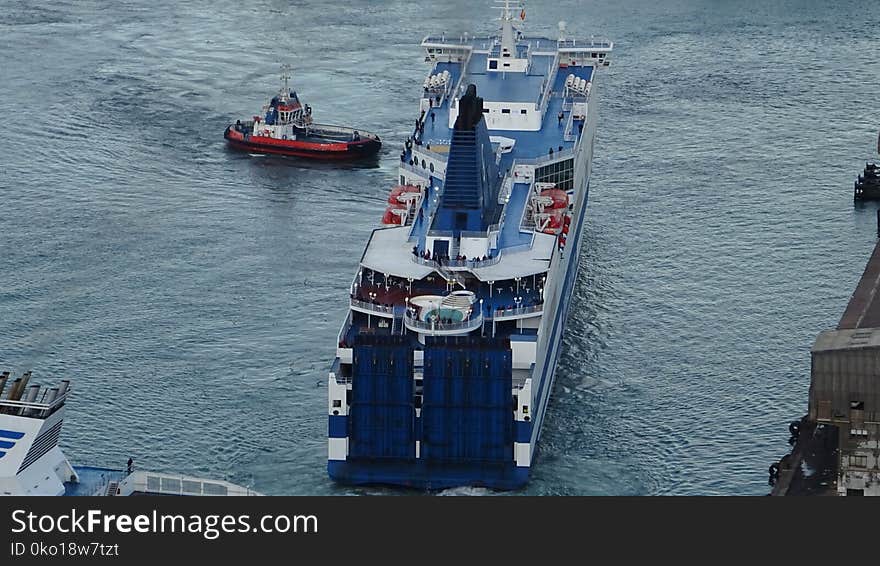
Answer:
(508, 31)
(285, 77)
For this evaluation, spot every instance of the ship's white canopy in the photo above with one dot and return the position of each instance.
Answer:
(521, 263)
(390, 251)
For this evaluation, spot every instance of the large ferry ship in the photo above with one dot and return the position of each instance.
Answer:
(446, 359)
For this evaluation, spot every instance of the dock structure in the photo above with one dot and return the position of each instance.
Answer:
(838, 441)
(867, 186)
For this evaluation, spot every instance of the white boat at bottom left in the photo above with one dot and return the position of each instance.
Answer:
(32, 463)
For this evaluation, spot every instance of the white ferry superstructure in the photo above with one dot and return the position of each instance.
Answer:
(447, 357)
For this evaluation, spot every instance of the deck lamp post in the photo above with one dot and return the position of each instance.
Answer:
(372, 301)
(518, 301)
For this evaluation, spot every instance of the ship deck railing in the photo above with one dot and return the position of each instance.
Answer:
(502, 314)
(416, 325)
(173, 484)
(457, 264)
(462, 41)
(592, 43)
(382, 310)
(546, 92)
(488, 41)
(31, 408)
(545, 159)
(327, 130)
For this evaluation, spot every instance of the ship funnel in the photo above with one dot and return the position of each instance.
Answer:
(51, 395)
(13, 390)
(18, 386)
(30, 397)
(31, 394)
(64, 387)
(470, 195)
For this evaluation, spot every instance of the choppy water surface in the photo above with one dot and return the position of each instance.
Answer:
(194, 294)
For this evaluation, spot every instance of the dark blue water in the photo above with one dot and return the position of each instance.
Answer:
(193, 295)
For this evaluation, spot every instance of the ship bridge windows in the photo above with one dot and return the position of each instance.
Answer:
(858, 461)
(505, 110)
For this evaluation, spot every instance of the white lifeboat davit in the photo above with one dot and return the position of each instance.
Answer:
(404, 194)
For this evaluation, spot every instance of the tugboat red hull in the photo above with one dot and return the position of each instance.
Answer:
(364, 147)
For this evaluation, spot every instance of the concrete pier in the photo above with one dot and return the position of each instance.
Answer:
(837, 447)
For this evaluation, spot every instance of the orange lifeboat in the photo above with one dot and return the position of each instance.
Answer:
(396, 195)
(553, 221)
(560, 197)
(394, 214)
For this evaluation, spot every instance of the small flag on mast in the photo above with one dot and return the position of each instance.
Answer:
(522, 14)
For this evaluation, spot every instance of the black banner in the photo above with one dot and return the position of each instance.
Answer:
(241, 530)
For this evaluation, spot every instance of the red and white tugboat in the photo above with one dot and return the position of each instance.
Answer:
(286, 128)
